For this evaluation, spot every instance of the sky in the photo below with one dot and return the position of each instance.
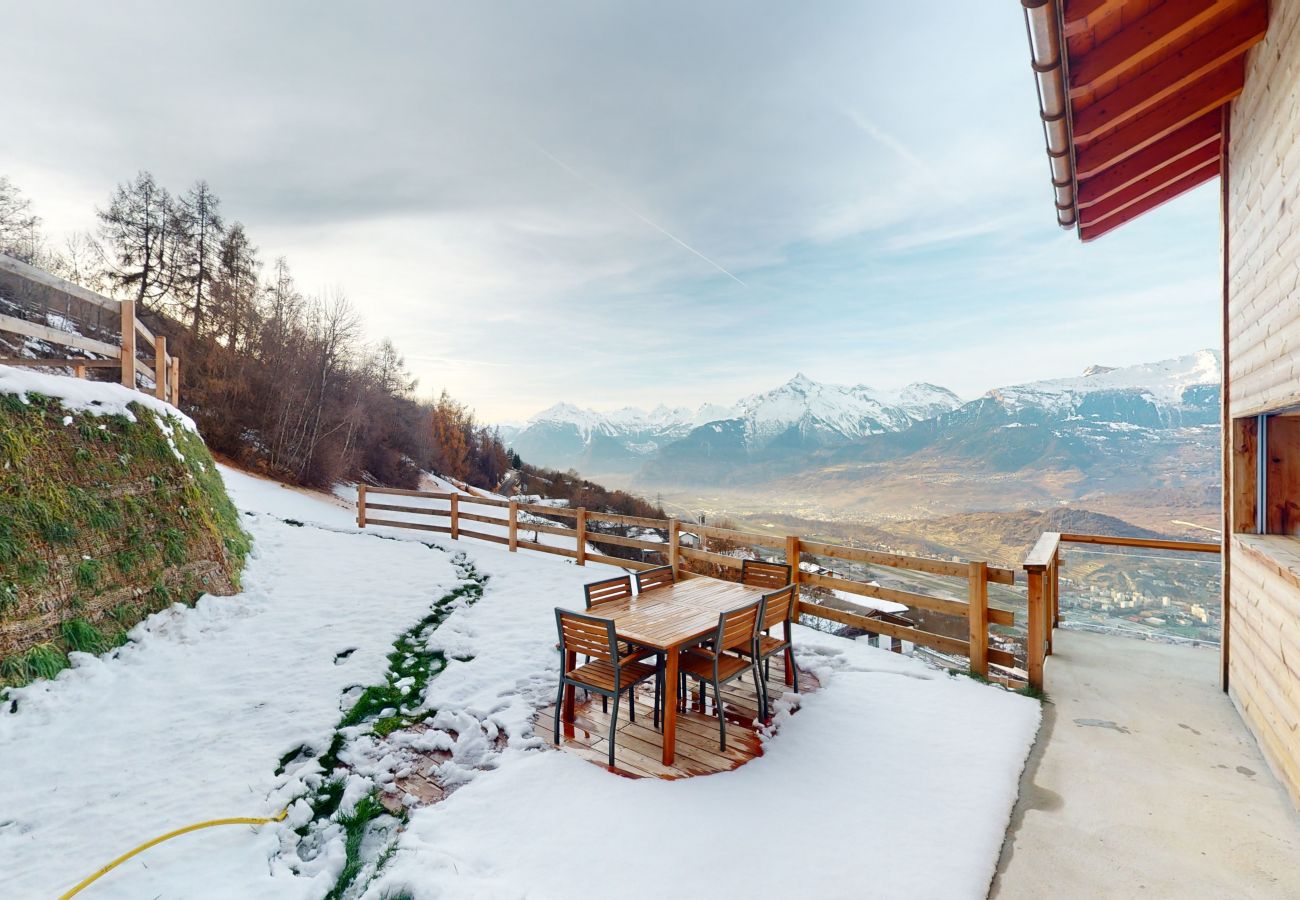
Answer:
(618, 204)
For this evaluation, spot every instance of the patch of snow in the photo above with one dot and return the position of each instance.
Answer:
(98, 398)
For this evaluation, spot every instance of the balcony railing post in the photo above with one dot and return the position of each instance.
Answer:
(979, 618)
(1034, 641)
(454, 509)
(361, 506)
(674, 542)
(128, 342)
(514, 526)
(160, 367)
(582, 536)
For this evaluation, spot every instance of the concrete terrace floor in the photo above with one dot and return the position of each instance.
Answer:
(1144, 782)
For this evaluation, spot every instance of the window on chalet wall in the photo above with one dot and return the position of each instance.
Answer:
(1266, 474)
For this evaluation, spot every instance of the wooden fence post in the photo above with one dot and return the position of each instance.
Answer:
(175, 380)
(128, 342)
(1034, 644)
(792, 560)
(514, 526)
(978, 615)
(160, 367)
(79, 371)
(1050, 615)
(674, 539)
(454, 503)
(361, 506)
(582, 536)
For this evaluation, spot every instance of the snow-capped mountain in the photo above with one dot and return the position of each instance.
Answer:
(799, 415)
(1153, 392)
(1104, 424)
(830, 413)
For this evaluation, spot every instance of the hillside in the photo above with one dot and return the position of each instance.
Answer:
(111, 509)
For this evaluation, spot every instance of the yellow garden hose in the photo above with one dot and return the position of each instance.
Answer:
(166, 837)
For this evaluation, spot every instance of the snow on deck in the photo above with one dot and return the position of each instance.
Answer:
(894, 779)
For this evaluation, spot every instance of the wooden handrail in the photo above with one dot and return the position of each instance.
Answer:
(1147, 543)
(1042, 570)
(1043, 552)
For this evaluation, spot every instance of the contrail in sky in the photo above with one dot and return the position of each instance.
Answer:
(615, 200)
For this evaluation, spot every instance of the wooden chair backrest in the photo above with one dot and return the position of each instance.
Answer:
(607, 591)
(589, 635)
(778, 607)
(737, 628)
(649, 579)
(758, 573)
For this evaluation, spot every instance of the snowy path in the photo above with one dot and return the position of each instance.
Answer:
(894, 779)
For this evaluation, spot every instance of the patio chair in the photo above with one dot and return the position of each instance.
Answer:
(609, 673)
(778, 609)
(737, 629)
(763, 574)
(607, 591)
(649, 579)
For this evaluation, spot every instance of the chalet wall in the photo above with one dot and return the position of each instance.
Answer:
(1263, 372)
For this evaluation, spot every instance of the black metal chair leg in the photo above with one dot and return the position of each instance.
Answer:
(722, 719)
(604, 703)
(631, 703)
(613, 728)
(761, 693)
(559, 709)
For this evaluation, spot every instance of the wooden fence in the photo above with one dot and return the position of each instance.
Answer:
(524, 520)
(163, 369)
(1043, 572)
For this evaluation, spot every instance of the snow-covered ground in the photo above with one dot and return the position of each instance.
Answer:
(895, 779)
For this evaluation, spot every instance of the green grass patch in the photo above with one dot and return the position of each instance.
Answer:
(381, 709)
(87, 574)
(114, 490)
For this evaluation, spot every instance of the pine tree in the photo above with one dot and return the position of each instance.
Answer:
(137, 232)
(202, 230)
(237, 283)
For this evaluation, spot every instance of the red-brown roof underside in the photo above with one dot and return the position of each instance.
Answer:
(1148, 81)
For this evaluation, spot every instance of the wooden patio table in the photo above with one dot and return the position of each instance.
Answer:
(668, 619)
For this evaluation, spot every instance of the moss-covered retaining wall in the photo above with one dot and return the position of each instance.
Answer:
(104, 519)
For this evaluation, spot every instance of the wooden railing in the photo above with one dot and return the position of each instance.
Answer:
(684, 543)
(164, 372)
(1043, 573)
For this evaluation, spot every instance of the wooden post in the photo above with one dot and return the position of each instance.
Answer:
(160, 367)
(582, 536)
(978, 614)
(79, 371)
(674, 541)
(128, 343)
(514, 526)
(175, 380)
(361, 506)
(792, 559)
(1034, 636)
(454, 503)
(1050, 585)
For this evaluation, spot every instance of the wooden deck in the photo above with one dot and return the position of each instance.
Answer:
(639, 746)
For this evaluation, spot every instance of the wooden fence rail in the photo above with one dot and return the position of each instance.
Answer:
(1043, 573)
(524, 523)
(163, 369)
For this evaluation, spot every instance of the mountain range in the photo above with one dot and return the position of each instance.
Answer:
(799, 416)
(1143, 424)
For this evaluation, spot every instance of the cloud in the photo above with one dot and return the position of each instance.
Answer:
(866, 195)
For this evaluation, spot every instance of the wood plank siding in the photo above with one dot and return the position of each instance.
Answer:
(1262, 365)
